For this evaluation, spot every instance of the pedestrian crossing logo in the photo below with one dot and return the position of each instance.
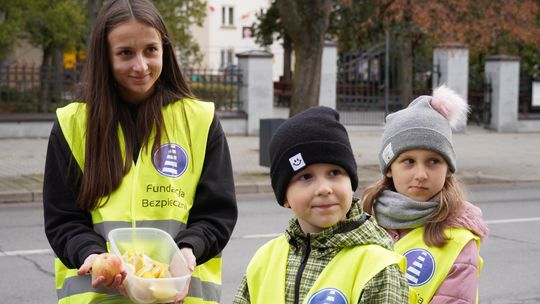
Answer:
(170, 160)
(420, 266)
(328, 296)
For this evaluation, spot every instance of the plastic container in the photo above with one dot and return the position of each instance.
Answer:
(158, 245)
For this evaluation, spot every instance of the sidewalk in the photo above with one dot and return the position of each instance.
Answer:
(483, 156)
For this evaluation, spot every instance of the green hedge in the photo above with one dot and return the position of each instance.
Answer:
(223, 95)
(13, 100)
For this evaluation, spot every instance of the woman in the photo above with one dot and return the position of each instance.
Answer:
(137, 151)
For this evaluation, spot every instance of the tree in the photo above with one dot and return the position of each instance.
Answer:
(179, 16)
(64, 25)
(486, 26)
(345, 19)
(93, 7)
(268, 30)
(55, 27)
(305, 22)
(10, 25)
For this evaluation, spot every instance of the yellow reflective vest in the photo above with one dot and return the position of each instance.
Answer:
(428, 266)
(158, 191)
(343, 279)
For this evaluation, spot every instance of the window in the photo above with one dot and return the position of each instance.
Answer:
(226, 57)
(227, 15)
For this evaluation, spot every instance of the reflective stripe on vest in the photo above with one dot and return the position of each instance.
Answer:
(345, 275)
(428, 266)
(158, 191)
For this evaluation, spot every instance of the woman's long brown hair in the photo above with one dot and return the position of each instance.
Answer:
(104, 165)
(452, 200)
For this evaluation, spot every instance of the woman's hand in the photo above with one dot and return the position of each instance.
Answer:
(99, 280)
(191, 263)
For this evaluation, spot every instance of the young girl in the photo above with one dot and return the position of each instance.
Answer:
(421, 205)
(137, 151)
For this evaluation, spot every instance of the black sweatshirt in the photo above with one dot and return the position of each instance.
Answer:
(69, 229)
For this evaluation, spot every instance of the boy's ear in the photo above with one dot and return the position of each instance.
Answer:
(286, 204)
(389, 173)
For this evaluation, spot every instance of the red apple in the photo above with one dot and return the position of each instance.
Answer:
(107, 265)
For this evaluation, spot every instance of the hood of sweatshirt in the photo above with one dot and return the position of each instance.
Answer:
(471, 218)
(358, 229)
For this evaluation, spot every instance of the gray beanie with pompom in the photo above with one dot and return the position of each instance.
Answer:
(425, 124)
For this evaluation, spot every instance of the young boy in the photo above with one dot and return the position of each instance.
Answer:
(331, 251)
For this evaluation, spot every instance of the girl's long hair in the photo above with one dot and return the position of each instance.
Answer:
(452, 202)
(105, 165)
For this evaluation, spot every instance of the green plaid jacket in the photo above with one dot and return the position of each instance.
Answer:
(389, 286)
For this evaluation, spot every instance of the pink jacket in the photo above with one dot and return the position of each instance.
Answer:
(461, 284)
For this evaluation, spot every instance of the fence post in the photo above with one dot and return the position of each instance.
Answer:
(503, 72)
(327, 89)
(535, 95)
(257, 91)
(452, 61)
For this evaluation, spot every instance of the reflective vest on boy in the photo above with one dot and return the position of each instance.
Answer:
(343, 279)
(428, 266)
(158, 191)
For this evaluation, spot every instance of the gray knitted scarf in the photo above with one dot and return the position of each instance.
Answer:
(396, 211)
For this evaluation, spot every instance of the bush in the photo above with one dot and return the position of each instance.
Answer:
(13, 100)
(223, 95)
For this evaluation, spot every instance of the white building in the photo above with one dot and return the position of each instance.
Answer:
(227, 31)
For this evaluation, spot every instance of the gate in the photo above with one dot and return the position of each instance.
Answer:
(360, 88)
(526, 108)
(479, 96)
(367, 83)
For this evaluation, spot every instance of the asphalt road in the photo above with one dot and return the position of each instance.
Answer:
(510, 253)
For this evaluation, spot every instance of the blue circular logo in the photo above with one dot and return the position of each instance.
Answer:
(170, 160)
(328, 296)
(420, 266)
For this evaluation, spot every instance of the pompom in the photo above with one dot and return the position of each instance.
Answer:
(452, 106)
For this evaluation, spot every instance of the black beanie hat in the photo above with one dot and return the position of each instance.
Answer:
(312, 136)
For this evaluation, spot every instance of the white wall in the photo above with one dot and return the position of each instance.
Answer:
(214, 37)
(25, 54)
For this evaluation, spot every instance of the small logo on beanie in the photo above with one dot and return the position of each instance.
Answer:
(297, 162)
(387, 153)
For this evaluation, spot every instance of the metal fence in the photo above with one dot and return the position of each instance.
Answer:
(526, 109)
(22, 87)
(220, 86)
(367, 82)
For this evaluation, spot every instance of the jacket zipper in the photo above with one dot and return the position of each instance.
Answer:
(305, 254)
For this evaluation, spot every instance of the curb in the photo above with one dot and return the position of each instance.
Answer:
(36, 195)
(21, 196)
(255, 188)
(491, 179)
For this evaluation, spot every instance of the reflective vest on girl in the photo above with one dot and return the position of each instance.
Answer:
(342, 280)
(428, 266)
(158, 191)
